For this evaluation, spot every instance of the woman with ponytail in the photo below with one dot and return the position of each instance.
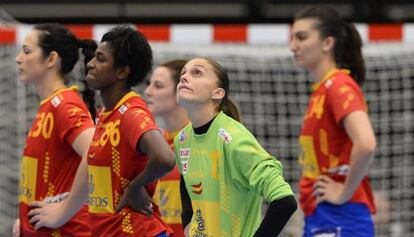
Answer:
(62, 129)
(225, 172)
(337, 138)
(161, 96)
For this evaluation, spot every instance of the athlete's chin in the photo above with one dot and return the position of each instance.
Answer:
(300, 63)
(183, 102)
(91, 85)
(21, 78)
(183, 99)
(189, 103)
(24, 79)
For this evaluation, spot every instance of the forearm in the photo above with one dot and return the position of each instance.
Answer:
(359, 163)
(160, 159)
(79, 192)
(187, 209)
(277, 216)
(154, 170)
(358, 127)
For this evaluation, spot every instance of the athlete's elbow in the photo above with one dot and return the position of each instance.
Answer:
(292, 205)
(367, 148)
(171, 163)
(168, 161)
(370, 147)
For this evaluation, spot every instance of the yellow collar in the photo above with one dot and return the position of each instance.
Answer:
(327, 76)
(121, 101)
(170, 135)
(75, 88)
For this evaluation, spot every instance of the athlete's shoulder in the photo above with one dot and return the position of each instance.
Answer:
(136, 100)
(184, 134)
(230, 130)
(133, 106)
(339, 83)
(135, 103)
(342, 78)
(69, 95)
(67, 101)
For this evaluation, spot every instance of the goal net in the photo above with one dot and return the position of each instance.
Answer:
(272, 94)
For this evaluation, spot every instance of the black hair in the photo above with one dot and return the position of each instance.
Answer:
(348, 44)
(57, 38)
(130, 48)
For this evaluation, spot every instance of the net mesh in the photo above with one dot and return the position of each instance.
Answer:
(272, 95)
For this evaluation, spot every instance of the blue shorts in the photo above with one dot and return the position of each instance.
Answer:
(348, 220)
(163, 234)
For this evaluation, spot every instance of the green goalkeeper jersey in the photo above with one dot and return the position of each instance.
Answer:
(226, 173)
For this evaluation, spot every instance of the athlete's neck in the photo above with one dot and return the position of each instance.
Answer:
(113, 95)
(203, 129)
(200, 115)
(322, 69)
(49, 85)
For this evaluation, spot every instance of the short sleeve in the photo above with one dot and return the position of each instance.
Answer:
(343, 98)
(134, 124)
(73, 119)
(253, 168)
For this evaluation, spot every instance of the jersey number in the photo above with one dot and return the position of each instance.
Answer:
(43, 126)
(214, 156)
(111, 133)
(316, 107)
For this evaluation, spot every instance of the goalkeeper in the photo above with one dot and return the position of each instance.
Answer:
(225, 171)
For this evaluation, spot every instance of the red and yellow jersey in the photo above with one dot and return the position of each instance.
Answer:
(326, 148)
(167, 194)
(113, 162)
(49, 163)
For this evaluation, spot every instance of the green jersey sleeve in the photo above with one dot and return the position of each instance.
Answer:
(255, 169)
